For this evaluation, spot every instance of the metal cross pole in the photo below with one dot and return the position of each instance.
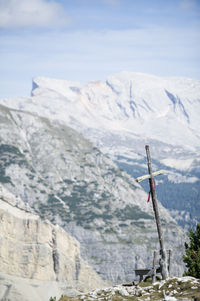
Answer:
(163, 260)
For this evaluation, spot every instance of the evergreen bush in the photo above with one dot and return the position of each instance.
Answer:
(192, 254)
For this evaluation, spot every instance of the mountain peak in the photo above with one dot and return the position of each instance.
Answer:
(66, 88)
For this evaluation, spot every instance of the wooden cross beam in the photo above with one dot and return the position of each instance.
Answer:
(156, 173)
(150, 176)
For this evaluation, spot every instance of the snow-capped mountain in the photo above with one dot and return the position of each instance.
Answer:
(136, 104)
(126, 112)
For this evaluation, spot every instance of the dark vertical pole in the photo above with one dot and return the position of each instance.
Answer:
(170, 262)
(154, 266)
(163, 261)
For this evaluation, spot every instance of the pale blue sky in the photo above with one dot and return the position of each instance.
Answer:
(85, 40)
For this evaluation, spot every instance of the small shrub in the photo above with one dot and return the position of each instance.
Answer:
(192, 257)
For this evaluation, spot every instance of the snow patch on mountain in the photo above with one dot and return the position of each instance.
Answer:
(182, 164)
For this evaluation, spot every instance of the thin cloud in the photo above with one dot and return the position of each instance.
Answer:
(188, 4)
(31, 13)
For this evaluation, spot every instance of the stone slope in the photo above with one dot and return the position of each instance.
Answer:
(65, 179)
(36, 253)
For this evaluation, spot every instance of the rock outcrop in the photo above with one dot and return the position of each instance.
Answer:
(173, 289)
(38, 258)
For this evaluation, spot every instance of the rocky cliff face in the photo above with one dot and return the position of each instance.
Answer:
(36, 253)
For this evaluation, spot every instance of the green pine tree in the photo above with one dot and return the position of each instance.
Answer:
(192, 254)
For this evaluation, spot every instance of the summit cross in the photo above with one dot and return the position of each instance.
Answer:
(150, 176)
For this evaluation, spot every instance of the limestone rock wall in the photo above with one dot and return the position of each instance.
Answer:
(37, 250)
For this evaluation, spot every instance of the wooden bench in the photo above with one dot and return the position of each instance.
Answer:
(155, 269)
(149, 272)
